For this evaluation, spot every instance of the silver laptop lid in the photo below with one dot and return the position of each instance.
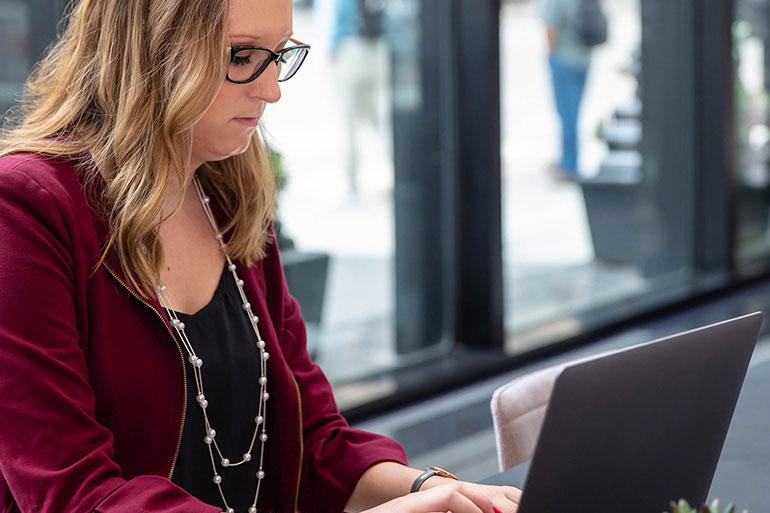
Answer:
(633, 430)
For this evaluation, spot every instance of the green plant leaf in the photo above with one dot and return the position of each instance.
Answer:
(682, 506)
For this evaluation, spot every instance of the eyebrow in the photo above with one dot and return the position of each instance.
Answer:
(257, 39)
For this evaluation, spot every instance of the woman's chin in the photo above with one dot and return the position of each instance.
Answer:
(243, 149)
(232, 144)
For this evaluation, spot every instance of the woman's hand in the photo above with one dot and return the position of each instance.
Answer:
(381, 489)
(440, 495)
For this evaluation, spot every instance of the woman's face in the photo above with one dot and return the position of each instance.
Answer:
(229, 124)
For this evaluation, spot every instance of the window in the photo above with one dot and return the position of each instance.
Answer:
(752, 135)
(15, 48)
(645, 220)
(573, 209)
(360, 134)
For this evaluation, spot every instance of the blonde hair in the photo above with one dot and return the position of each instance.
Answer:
(120, 91)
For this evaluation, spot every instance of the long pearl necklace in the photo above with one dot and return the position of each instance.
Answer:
(260, 423)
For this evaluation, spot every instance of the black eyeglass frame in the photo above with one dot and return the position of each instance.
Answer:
(275, 57)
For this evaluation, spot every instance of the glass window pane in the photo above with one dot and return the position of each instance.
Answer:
(350, 128)
(14, 50)
(752, 135)
(585, 237)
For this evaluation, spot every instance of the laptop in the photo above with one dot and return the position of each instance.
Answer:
(633, 430)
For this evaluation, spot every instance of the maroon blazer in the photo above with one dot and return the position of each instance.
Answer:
(92, 380)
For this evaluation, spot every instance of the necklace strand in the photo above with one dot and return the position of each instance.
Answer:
(260, 420)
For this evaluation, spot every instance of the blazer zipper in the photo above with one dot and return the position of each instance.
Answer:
(181, 359)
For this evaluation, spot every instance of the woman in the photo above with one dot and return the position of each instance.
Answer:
(152, 358)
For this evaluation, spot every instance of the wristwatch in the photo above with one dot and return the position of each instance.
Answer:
(427, 474)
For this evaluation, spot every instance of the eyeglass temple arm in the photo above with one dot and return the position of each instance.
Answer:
(229, 51)
(298, 42)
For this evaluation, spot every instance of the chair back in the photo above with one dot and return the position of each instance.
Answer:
(518, 410)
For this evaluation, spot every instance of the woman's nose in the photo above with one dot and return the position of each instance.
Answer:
(266, 87)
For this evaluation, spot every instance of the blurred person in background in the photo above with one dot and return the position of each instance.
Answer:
(152, 357)
(573, 29)
(359, 56)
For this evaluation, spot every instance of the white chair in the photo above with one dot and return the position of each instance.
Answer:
(518, 410)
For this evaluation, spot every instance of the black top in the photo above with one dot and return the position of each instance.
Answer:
(222, 336)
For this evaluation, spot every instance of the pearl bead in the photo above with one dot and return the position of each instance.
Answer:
(230, 510)
(198, 363)
(265, 355)
(204, 404)
(206, 200)
(207, 440)
(231, 267)
(263, 437)
(217, 479)
(252, 510)
(259, 419)
(212, 433)
(260, 475)
(246, 305)
(219, 237)
(265, 396)
(180, 326)
(255, 318)
(247, 456)
(200, 398)
(263, 381)
(192, 358)
(162, 288)
(261, 344)
(240, 283)
(225, 462)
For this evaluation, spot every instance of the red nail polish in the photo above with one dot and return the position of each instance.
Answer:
(496, 509)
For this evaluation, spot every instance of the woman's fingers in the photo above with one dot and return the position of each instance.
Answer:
(513, 494)
(507, 499)
(441, 498)
(489, 499)
(456, 498)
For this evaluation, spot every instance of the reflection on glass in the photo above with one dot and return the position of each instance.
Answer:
(339, 200)
(572, 166)
(14, 50)
(752, 135)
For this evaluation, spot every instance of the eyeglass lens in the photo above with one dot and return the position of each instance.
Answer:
(247, 63)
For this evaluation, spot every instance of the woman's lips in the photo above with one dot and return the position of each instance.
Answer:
(248, 121)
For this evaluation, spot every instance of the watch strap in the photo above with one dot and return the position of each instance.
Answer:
(427, 474)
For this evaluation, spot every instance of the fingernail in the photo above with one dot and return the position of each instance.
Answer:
(496, 509)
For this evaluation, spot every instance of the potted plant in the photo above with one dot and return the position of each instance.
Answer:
(683, 507)
(305, 271)
(613, 197)
(281, 179)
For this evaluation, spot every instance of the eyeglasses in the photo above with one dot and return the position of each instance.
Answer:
(248, 62)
